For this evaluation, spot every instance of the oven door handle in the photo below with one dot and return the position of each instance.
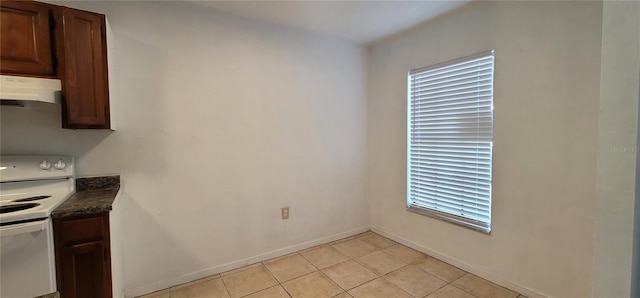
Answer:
(23, 228)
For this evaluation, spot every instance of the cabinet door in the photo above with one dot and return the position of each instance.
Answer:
(25, 39)
(83, 256)
(82, 53)
(83, 271)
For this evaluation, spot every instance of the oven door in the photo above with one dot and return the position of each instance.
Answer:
(27, 258)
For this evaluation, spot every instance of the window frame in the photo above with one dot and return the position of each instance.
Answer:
(430, 212)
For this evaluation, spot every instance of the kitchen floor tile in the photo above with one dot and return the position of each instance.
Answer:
(273, 292)
(355, 248)
(482, 288)
(325, 257)
(349, 274)
(366, 265)
(439, 269)
(450, 291)
(377, 240)
(158, 294)
(381, 262)
(206, 287)
(415, 281)
(404, 253)
(248, 281)
(314, 285)
(379, 288)
(289, 267)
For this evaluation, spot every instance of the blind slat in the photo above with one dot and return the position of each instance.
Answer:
(479, 79)
(463, 203)
(484, 101)
(462, 91)
(455, 189)
(470, 157)
(453, 205)
(486, 105)
(455, 98)
(464, 110)
(480, 219)
(425, 195)
(442, 72)
(480, 152)
(459, 173)
(469, 179)
(474, 72)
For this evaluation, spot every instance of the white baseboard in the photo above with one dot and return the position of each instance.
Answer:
(464, 266)
(157, 286)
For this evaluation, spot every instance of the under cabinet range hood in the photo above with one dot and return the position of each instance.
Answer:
(15, 90)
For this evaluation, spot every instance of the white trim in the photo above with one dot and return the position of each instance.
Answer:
(157, 286)
(464, 266)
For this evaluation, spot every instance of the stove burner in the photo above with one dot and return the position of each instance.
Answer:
(17, 207)
(32, 199)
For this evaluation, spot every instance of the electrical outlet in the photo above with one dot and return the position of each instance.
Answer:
(285, 213)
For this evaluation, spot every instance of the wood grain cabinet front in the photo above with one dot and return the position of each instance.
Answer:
(45, 40)
(26, 44)
(83, 256)
(82, 50)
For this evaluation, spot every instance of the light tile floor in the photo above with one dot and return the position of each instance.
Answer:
(363, 266)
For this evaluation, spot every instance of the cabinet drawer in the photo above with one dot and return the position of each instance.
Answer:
(81, 229)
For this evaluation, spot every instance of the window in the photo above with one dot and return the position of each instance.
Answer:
(450, 140)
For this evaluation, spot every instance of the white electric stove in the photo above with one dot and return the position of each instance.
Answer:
(31, 187)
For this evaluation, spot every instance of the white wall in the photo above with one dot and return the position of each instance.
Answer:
(547, 80)
(617, 150)
(221, 122)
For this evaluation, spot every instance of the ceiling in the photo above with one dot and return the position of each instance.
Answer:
(362, 22)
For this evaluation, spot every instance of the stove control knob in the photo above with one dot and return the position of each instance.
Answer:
(60, 165)
(45, 165)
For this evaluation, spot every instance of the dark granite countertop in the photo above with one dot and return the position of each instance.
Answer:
(93, 195)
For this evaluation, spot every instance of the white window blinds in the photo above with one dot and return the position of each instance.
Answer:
(450, 138)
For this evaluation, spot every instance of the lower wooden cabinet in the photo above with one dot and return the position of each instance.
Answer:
(83, 256)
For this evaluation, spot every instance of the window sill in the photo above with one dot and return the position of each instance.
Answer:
(463, 222)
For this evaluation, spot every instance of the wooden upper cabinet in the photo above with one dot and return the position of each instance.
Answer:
(25, 42)
(44, 40)
(82, 52)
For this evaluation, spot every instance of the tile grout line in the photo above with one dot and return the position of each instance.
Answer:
(320, 270)
(451, 283)
(314, 266)
(349, 258)
(440, 278)
(377, 276)
(277, 280)
(225, 287)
